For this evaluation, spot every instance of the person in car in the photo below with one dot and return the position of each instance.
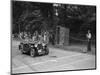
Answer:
(34, 37)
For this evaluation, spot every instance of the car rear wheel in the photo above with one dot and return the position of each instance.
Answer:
(47, 51)
(22, 51)
(32, 52)
(21, 48)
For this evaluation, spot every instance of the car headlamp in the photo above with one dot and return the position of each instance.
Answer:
(35, 45)
(43, 44)
(31, 45)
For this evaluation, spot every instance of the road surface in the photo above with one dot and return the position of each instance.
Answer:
(57, 60)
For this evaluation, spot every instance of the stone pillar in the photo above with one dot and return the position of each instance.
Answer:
(62, 36)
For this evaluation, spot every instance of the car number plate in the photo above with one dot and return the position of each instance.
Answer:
(39, 51)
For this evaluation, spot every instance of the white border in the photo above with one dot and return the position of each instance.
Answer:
(85, 2)
(5, 36)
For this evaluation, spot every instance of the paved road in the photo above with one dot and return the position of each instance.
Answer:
(56, 60)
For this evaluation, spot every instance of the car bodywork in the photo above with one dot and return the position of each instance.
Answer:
(34, 48)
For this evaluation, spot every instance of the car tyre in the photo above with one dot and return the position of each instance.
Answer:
(32, 52)
(22, 51)
(21, 48)
(47, 51)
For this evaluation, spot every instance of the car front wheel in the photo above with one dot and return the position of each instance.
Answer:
(32, 52)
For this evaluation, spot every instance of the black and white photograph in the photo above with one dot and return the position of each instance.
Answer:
(52, 37)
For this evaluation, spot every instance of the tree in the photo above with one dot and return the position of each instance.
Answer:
(31, 18)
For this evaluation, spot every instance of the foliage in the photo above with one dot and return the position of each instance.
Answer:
(28, 16)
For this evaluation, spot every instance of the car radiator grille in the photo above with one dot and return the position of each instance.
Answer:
(39, 46)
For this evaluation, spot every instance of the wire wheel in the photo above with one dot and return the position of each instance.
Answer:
(32, 52)
(47, 51)
(21, 49)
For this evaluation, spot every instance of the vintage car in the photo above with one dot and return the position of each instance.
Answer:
(34, 48)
